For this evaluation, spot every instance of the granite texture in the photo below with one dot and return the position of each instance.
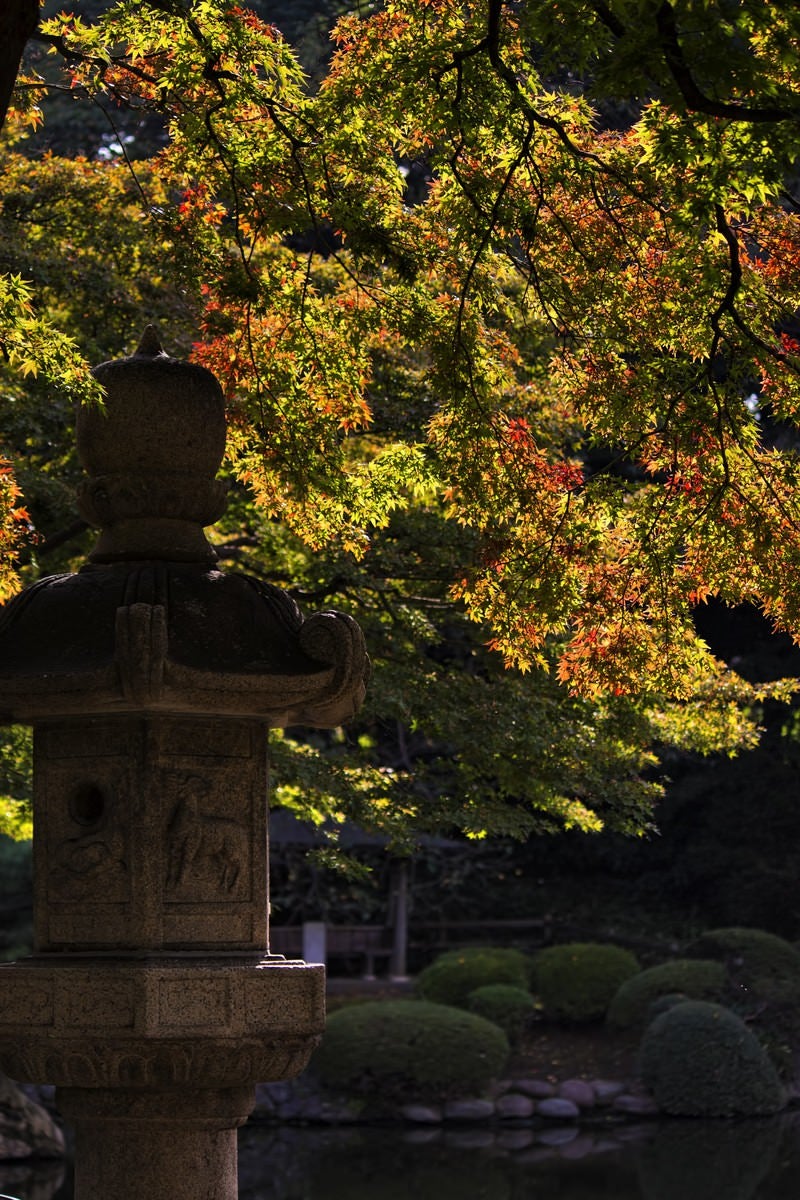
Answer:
(151, 679)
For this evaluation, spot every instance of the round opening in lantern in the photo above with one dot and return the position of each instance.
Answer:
(87, 804)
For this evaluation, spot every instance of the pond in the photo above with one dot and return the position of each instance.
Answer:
(667, 1160)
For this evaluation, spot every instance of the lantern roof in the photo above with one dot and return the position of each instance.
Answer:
(150, 623)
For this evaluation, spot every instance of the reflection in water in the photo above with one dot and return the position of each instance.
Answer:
(700, 1159)
(674, 1160)
(29, 1180)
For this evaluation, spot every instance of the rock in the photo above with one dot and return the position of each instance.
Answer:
(11, 1148)
(41, 1093)
(636, 1105)
(35, 1179)
(302, 1108)
(294, 1100)
(513, 1106)
(421, 1114)
(557, 1107)
(468, 1110)
(26, 1129)
(275, 1093)
(558, 1137)
(341, 1112)
(607, 1090)
(539, 1089)
(578, 1091)
(265, 1106)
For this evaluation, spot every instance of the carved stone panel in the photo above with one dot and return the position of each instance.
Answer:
(206, 837)
(151, 833)
(112, 1009)
(26, 1002)
(212, 789)
(195, 1005)
(87, 838)
(84, 873)
(193, 1061)
(210, 1023)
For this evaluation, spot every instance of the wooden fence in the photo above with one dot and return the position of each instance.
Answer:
(360, 948)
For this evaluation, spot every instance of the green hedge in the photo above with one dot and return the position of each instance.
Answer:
(452, 976)
(577, 981)
(505, 1005)
(700, 1060)
(409, 1047)
(695, 979)
(750, 955)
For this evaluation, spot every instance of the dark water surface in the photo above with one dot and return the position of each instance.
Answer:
(672, 1160)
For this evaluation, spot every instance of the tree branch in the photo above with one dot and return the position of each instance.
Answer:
(61, 538)
(694, 98)
(18, 21)
(609, 19)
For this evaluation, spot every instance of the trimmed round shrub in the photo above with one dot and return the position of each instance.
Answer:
(700, 1060)
(577, 981)
(663, 1004)
(763, 985)
(409, 1047)
(453, 975)
(773, 1008)
(693, 978)
(750, 955)
(505, 1005)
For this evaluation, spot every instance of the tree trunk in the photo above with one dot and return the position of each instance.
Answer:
(18, 20)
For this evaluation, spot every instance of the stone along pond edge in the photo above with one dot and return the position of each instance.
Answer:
(532, 1119)
(511, 1101)
(535, 1117)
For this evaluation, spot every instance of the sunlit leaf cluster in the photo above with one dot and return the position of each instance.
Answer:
(524, 273)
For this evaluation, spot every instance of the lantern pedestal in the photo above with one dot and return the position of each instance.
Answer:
(165, 1145)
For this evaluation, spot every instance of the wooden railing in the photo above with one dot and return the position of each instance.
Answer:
(362, 946)
(359, 946)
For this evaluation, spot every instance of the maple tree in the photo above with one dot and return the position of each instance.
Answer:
(505, 311)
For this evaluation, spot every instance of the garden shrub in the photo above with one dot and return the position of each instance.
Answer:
(700, 1060)
(693, 978)
(771, 1008)
(750, 955)
(763, 985)
(663, 1004)
(577, 981)
(453, 975)
(409, 1048)
(505, 1005)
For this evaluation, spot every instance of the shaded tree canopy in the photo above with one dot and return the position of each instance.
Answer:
(505, 312)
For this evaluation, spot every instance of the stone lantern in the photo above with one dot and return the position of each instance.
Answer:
(151, 1000)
